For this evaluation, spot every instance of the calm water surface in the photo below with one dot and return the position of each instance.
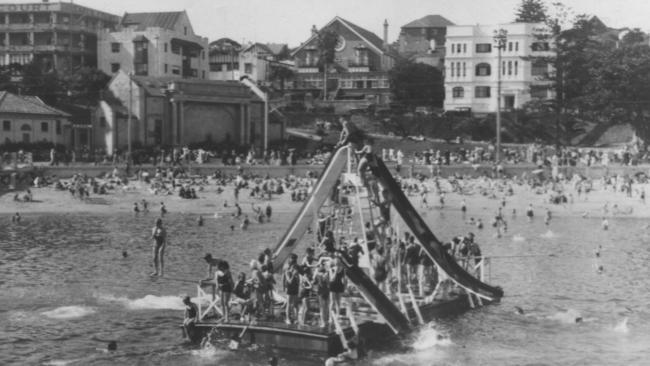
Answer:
(66, 290)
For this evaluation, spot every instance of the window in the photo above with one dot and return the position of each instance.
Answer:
(452, 69)
(458, 48)
(503, 67)
(540, 46)
(58, 126)
(176, 70)
(509, 67)
(463, 69)
(516, 67)
(457, 68)
(516, 46)
(102, 122)
(539, 68)
(185, 30)
(115, 47)
(464, 48)
(510, 46)
(176, 49)
(115, 67)
(358, 84)
(166, 68)
(453, 48)
(369, 84)
(483, 48)
(45, 126)
(483, 69)
(458, 92)
(482, 92)
(248, 68)
(141, 69)
(6, 125)
(165, 46)
(538, 91)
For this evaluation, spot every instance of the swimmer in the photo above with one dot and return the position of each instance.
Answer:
(529, 212)
(245, 223)
(16, 218)
(273, 361)
(463, 206)
(519, 310)
(163, 209)
(112, 346)
(479, 224)
(579, 319)
(232, 227)
(547, 219)
(200, 222)
(604, 224)
(125, 254)
(136, 209)
(145, 206)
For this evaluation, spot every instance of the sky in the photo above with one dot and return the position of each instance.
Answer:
(290, 21)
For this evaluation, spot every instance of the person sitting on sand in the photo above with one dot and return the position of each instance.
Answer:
(191, 317)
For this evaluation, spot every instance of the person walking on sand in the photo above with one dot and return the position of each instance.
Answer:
(547, 220)
(159, 236)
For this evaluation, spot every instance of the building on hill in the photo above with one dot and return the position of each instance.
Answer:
(167, 111)
(154, 44)
(471, 65)
(231, 61)
(28, 119)
(360, 69)
(423, 40)
(56, 35)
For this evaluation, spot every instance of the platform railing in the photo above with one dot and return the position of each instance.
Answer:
(204, 297)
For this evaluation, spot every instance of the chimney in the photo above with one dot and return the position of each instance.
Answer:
(385, 33)
(314, 31)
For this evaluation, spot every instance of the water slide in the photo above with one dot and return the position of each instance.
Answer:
(377, 299)
(306, 215)
(428, 241)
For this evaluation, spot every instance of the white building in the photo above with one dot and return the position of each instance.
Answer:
(471, 64)
(154, 44)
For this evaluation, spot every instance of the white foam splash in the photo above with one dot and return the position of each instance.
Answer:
(210, 352)
(622, 327)
(69, 312)
(518, 238)
(570, 316)
(548, 234)
(429, 338)
(168, 302)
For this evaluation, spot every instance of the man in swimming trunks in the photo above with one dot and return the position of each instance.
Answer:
(159, 236)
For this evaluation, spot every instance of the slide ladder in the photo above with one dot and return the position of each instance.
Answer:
(431, 245)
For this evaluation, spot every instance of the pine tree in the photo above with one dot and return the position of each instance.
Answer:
(531, 11)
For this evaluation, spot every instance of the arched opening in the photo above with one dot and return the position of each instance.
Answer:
(483, 69)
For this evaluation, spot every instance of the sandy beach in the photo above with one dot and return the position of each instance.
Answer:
(481, 201)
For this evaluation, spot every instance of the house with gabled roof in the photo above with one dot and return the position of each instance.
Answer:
(360, 69)
(28, 119)
(154, 44)
(253, 60)
(423, 40)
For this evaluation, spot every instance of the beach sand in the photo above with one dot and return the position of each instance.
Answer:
(209, 202)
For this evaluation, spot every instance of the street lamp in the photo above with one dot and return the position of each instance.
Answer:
(129, 122)
(500, 38)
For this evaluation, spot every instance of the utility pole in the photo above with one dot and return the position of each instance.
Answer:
(128, 134)
(500, 38)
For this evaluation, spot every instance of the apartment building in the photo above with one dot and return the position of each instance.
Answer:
(55, 35)
(471, 67)
(154, 44)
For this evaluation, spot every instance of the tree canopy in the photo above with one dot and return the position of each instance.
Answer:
(417, 84)
(531, 11)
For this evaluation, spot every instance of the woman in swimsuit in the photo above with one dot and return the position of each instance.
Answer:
(336, 286)
(159, 236)
(225, 284)
(292, 287)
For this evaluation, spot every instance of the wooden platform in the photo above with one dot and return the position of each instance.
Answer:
(373, 332)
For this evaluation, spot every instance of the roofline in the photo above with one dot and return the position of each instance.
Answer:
(293, 53)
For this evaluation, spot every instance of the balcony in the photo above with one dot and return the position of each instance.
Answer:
(307, 69)
(358, 67)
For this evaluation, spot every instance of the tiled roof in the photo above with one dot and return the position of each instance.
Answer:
(12, 103)
(429, 21)
(368, 35)
(143, 21)
(276, 48)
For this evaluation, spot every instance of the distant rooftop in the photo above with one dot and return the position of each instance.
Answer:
(12, 103)
(430, 21)
(166, 20)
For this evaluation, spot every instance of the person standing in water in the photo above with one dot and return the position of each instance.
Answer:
(159, 236)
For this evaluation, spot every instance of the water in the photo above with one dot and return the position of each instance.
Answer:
(67, 290)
